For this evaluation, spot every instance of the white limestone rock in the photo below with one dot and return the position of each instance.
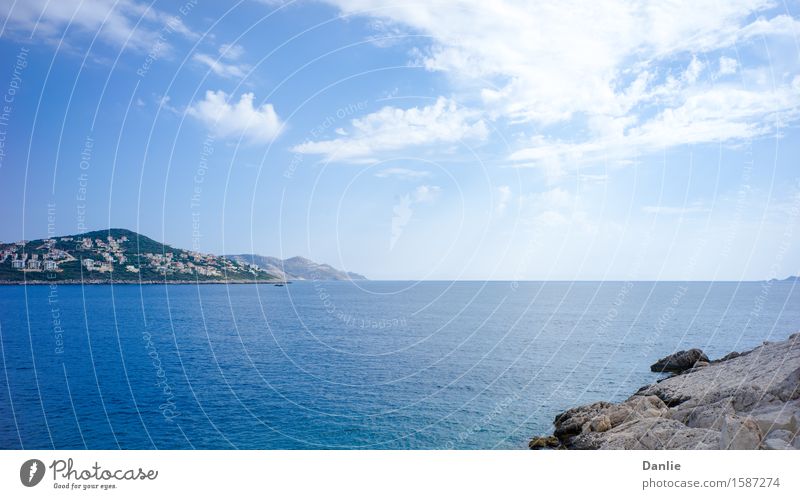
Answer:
(739, 433)
(744, 401)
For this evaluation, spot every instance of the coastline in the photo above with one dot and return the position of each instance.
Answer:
(743, 401)
(73, 282)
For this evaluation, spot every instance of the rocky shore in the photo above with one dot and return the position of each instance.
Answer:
(747, 400)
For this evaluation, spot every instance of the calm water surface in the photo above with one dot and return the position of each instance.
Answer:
(395, 365)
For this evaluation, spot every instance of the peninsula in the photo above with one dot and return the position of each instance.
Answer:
(124, 256)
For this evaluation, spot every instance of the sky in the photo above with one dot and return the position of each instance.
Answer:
(504, 140)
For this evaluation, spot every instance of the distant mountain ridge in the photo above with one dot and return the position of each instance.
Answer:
(297, 268)
(791, 278)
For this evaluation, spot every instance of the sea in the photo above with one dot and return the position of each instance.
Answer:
(349, 365)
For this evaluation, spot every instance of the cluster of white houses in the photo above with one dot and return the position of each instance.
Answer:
(37, 262)
(190, 262)
(24, 262)
(106, 253)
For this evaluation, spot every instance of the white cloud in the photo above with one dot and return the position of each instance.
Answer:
(556, 198)
(694, 70)
(392, 129)
(593, 178)
(260, 124)
(551, 218)
(503, 198)
(608, 67)
(403, 209)
(220, 68)
(727, 65)
(402, 173)
(695, 207)
(231, 51)
(426, 193)
(115, 21)
(714, 114)
(549, 60)
(163, 102)
(555, 209)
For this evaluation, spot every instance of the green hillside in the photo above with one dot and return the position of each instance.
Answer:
(118, 255)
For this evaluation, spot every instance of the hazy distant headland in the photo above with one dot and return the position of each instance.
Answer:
(124, 256)
(297, 268)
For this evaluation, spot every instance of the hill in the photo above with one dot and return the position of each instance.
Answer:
(297, 268)
(117, 255)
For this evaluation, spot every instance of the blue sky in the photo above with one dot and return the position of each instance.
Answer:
(432, 140)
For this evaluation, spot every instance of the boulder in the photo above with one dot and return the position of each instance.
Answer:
(709, 415)
(789, 387)
(739, 433)
(600, 423)
(572, 421)
(748, 401)
(784, 435)
(641, 403)
(679, 361)
(747, 396)
(620, 414)
(774, 417)
(547, 442)
(776, 444)
(730, 356)
(646, 406)
(649, 434)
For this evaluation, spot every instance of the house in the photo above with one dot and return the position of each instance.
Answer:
(50, 265)
(88, 263)
(34, 264)
(18, 263)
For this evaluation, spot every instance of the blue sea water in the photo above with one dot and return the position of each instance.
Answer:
(398, 365)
